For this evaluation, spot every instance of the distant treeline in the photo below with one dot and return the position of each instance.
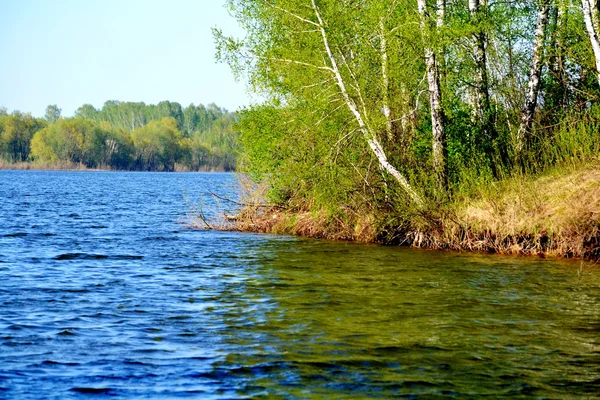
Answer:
(124, 136)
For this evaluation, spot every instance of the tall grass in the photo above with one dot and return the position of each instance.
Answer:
(549, 206)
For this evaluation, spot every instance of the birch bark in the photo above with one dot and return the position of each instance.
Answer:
(435, 98)
(368, 134)
(591, 18)
(482, 93)
(533, 87)
(387, 112)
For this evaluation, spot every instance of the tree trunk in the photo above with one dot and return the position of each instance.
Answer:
(435, 98)
(440, 17)
(590, 16)
(556, 64)
(524, 133)
(368, 134)
(387, 112)
(482, 92)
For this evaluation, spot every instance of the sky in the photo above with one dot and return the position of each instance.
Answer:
(73, 52)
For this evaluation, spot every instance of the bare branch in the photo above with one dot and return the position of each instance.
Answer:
(293, 15)
(368, 134)
(242, 204)
(289, 61)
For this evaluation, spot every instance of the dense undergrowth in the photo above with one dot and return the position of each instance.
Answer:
(450, 125)
(549, 208)
(555, 214)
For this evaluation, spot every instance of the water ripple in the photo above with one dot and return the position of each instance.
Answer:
(104, 294)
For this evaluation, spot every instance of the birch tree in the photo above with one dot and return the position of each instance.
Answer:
(482, 106)
(558, 90)
(385, 81)
(341, 68)
(591, 18)
(367, 101)
(369, 135)
(435, 93)
(524, 134)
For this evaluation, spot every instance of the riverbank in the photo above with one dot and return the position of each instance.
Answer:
(46, 166)
(70, 166)
(553, 215)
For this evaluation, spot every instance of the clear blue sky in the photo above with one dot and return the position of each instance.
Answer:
(72, 52)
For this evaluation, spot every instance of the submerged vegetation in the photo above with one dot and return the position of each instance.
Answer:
(446, 124)
(122, 136)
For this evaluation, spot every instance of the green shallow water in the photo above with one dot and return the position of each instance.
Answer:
(355, 321)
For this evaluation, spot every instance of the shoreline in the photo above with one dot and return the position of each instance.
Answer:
(526, 244)
(35, 166)
(552, 216)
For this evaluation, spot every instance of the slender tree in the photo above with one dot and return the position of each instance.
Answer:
(435, 95)
(367, 133)
(482, 104)
(385, 80)
(533, 87)
(591, 18)
(52, 113)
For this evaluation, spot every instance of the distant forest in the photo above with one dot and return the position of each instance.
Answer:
(124, 136)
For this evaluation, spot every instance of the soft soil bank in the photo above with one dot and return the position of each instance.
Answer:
(554, 215)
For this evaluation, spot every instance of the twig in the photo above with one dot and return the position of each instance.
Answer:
(243, 204)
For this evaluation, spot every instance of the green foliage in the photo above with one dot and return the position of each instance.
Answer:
(16, 132)
(124, 135)
(305, 142)
(52, 113)
(158, 145)
(75, 140)
(131, 115)
(212, 144)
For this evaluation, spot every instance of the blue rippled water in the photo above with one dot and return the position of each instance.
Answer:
(105, 293)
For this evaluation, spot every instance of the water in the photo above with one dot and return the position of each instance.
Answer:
(104, 292)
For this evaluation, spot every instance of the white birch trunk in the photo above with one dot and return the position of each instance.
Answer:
(435, 98)
(440, 13)
(481, 101)
(533, 87)
(590, 16)
(372, 141)
(556, 63)
(406, 112)
(387, 112)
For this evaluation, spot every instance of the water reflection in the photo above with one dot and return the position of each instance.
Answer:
(341, 320)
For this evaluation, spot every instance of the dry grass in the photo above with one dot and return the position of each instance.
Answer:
(306, 223)
(556, 215)
(256, 215)
(54, 166)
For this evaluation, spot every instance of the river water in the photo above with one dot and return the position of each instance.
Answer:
(104, 291)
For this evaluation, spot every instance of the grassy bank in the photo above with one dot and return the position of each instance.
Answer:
(47, 166)
(556, 214)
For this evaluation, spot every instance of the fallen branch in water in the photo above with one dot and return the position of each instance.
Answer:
(196, 213)
(255, 205)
